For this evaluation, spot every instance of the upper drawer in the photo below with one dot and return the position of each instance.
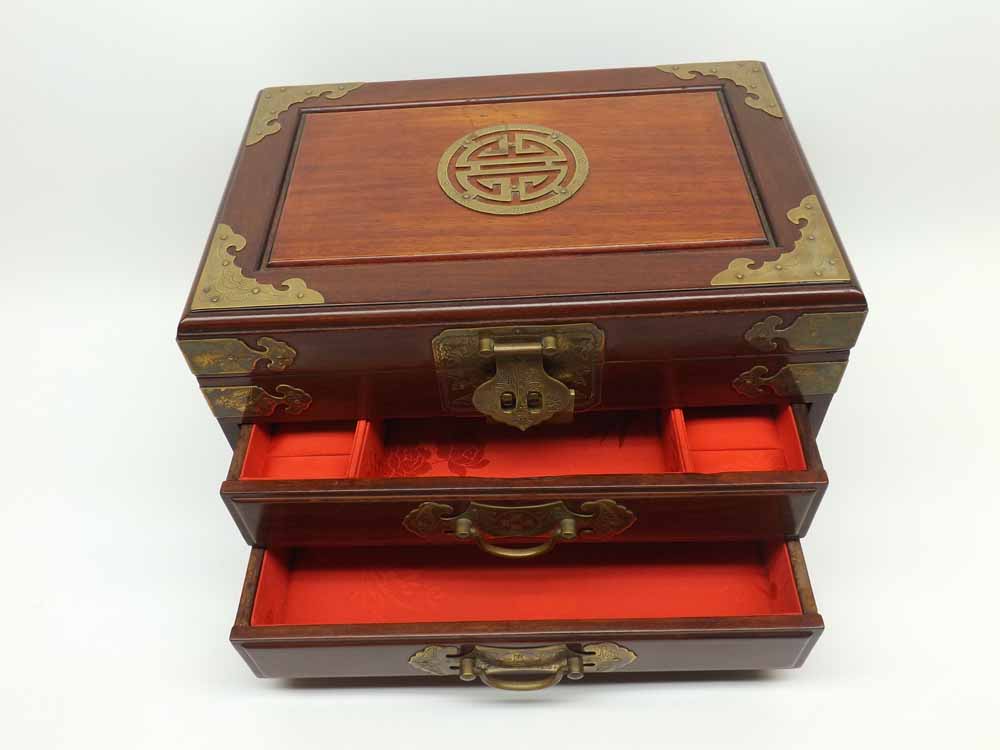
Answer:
(696, 473)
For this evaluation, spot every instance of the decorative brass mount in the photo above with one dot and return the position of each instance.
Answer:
(529, 668)
(222, 284)
(815, 258)
(748, 74)
(800, 379)
(810, 332)
(235, 356)
(487, 523)
(273, 101)
(512, 169)
(520, 375)
(254, 401)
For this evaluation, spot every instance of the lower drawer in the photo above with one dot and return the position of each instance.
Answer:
(594, 609)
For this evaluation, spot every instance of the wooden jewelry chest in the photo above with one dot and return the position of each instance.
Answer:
(523, 374)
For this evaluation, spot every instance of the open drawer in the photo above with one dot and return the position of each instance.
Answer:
(746, 472)
(448, 612)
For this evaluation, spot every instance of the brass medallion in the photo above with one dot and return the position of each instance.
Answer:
(512, 169)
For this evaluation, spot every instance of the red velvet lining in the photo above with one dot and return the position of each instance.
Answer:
(702, 441)
(577, 582)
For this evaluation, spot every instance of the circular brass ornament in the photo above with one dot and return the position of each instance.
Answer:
(512, 169)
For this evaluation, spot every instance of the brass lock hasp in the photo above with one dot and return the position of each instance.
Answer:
(520, 375)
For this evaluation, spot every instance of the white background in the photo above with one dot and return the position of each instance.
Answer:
(121, 568)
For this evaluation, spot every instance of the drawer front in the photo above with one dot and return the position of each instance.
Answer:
(535, 654)
(497, 513)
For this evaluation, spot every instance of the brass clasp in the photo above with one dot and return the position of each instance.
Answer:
(520, 376)
(522, 393)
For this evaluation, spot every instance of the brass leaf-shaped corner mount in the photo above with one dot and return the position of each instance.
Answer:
(748, 74)
(791, 381)
(235, 356)
(815, 258)
(273, 101)
(254, 401)
(222, 284)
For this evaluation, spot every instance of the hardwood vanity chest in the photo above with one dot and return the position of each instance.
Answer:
(523, 374)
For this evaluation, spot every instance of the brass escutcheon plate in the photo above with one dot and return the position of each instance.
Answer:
(512, 169)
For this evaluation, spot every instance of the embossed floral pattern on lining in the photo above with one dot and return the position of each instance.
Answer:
(406, 461)
(462, 453)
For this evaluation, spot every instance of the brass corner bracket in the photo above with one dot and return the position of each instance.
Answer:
(235, 356)
(748, 74)
(273, 101)
(791, 381)
(809, 332)
(254, 401)
(222, 284)
(815, 258)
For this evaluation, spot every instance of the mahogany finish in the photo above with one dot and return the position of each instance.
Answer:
(684, 178)
(362, 183)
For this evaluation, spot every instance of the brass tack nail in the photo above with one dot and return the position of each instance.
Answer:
(284, 88)
(300, 295)
(812, 236)
(778, 266)
(819, 273)
(225, 262)
(739, 276)
(809, 205)
(207, 289)
(215, 299)
(255, 290)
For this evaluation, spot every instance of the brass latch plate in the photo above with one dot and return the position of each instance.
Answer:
(520, 375)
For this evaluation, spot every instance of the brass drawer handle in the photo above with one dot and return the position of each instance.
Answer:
(485, 524)
(532, 668)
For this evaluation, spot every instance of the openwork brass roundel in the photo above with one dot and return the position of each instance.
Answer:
(512, 169)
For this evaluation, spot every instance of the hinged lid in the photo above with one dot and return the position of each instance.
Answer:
(363, 220)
